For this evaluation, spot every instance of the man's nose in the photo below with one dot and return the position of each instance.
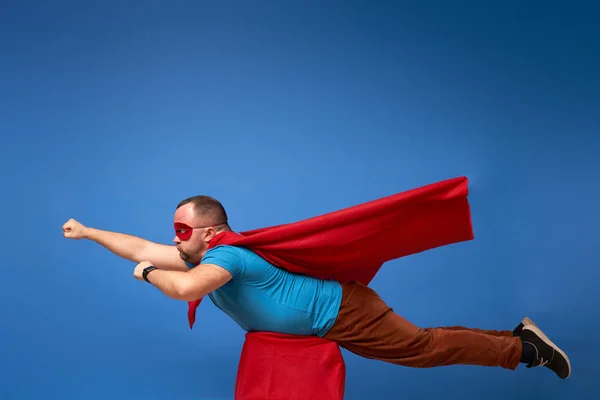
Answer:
(176, 239)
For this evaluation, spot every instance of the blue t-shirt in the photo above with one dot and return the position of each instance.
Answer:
(262, 297)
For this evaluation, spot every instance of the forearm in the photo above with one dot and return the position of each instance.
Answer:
(123, 245)
(190, 285)
(174, 284)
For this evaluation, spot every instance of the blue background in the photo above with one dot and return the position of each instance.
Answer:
(112, 112)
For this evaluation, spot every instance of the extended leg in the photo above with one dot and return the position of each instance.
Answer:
(368, 327)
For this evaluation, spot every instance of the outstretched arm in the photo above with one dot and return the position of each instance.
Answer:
(188, 286)
(130, 247)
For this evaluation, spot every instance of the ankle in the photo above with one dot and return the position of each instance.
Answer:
(528, 352)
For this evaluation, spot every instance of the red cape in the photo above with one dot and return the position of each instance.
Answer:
(353, 243)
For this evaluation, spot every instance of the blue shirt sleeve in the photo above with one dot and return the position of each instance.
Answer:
(227, 257)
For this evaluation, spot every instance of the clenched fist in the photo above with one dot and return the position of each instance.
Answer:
(74, 230)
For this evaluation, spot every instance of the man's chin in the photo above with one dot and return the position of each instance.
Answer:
(186, 257)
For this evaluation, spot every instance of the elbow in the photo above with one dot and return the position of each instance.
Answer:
(187, 292)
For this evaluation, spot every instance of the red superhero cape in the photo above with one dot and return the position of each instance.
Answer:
(353, 243)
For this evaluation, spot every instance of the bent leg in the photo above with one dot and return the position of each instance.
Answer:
(368, 327)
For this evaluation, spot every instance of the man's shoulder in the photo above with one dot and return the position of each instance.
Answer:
(220, 251)
(244, 255)
(239, 254)
(231, 258)
(227, 249)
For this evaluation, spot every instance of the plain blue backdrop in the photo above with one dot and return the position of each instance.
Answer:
(111, 112)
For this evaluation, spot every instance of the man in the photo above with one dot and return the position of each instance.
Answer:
(262, 297)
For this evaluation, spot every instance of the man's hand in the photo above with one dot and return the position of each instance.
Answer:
(137, 272)
(74, 230)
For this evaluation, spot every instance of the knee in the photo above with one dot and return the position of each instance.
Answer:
(425, 337)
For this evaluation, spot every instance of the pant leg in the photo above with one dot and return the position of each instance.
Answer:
(368, 327)
(507, 333)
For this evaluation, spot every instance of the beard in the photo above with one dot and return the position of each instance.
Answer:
(183, 255)
(193, 255)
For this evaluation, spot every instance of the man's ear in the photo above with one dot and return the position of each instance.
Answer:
(209, 234)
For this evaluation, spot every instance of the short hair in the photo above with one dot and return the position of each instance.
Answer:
(208, 208)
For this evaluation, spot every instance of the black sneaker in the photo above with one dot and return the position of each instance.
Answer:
(525, 321)
(547, 354)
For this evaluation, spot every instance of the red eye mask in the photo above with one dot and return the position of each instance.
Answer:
(183, 231)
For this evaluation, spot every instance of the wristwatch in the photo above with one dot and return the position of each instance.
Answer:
(146, 271)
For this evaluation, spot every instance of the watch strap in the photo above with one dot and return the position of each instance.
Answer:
(146, 271)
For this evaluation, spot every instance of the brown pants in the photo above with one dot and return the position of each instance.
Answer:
(368, 327)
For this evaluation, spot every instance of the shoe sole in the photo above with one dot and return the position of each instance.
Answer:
(527, 321)
(546, 340)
